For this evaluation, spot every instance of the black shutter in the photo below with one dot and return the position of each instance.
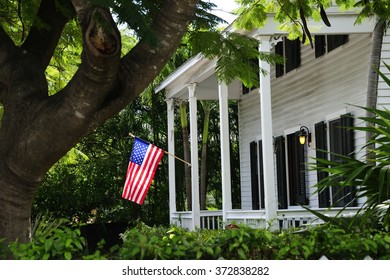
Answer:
(279, 68)
(321, 148)
(293, 54)
(348, 145)
(348, 148)
(296, 169)
(281, 171)
(301, 152)
(335, 147)
(254, 176)
(335, 41)
(319, 43)
(261, 170)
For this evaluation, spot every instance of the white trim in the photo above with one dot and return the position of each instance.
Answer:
(179, 72)
(225, 150)
(194, 156)
(270, 198)
(171, 160)
(335, 115)
(291, 130)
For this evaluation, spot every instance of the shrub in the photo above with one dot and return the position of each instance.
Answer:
(52, 239)
(143, 242)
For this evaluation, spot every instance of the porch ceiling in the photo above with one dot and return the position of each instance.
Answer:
(199, 71)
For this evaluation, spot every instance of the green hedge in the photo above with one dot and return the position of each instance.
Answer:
(143, 242)
(245, 243)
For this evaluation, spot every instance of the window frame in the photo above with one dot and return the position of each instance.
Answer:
(292, 188)
(291, 52)
(347, 146)
(324, 44)
(257, 175)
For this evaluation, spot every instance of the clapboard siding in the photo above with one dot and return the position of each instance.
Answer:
(319, 87)
(249, 126)
(383, 88)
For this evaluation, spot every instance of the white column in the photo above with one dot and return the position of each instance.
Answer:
(194, 156)
(225, 150)
(171, 160)
(267, 139)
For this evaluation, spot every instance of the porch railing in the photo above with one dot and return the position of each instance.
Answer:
(287, 219)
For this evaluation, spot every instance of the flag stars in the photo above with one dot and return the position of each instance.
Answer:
(139, 150)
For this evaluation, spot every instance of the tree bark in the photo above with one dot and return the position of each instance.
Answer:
(38, 129)
(186, 151)
(373, 77)
(203, 170)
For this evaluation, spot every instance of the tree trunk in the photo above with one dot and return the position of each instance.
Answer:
(38, 129)
(203, 170)
(373, 76)
(16, 198)
(186, 151)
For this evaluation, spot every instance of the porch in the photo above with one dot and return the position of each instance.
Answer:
(286, 218)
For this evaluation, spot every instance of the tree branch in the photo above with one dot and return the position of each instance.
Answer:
(42, 41)
(143, 63)
(7, 48)
(98, 72)
(3, 91)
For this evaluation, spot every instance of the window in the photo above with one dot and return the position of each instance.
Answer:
(291, 174)
(327, 43)
(280, 151)
(257, 175)
(291, 51)
(296, 169)
(341, 142)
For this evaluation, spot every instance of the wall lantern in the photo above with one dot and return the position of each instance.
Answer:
(304, 135)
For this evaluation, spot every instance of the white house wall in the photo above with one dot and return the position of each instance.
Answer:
(383, 88)
(320, 87)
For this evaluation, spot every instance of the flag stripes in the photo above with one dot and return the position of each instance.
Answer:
(142, 167)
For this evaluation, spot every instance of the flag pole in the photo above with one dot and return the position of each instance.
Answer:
(172, 155)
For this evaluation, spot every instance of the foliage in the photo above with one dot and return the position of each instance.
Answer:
(142, 242)
(292, 15)
(235, 53)
(87, 184)
(52, 239)
(245, 243)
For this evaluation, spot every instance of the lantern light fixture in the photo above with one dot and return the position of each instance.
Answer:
(304, 136)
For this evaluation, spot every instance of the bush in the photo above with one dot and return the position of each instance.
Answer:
(52, 239)
(143, 242)
(57, 241)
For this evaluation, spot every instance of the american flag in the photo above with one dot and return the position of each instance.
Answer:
(143, 163)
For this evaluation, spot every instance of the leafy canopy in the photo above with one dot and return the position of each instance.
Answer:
(292, 15)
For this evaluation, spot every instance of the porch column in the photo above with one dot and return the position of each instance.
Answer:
(225, 150)
(267, 138)
(171, 160)
(194, 156)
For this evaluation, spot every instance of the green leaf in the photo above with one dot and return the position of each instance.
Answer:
(46, 256)
(68, 243)
(68, 255)
(198, 255)
(209, 251)
(241, 254)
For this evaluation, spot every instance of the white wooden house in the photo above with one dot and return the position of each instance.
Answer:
(315, 91)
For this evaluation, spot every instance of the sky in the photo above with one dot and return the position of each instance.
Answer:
(223, 9)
